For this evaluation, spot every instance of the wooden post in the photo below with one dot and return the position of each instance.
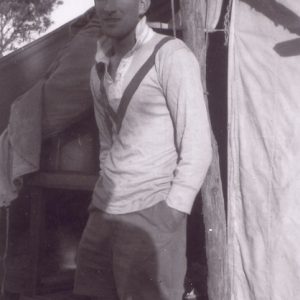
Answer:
(37, 231)
(193, 20)
(3, 246)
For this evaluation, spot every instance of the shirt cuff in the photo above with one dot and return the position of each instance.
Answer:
(181, 198)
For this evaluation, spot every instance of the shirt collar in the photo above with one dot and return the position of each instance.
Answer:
(143, 34)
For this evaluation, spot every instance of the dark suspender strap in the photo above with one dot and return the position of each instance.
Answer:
(100, 68)
(132, 86)
(136, 81)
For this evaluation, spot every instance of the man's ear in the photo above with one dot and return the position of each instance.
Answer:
(144, 6)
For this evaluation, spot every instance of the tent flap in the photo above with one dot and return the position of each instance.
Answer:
(264, 150)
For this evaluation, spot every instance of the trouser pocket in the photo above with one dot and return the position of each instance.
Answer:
(167, 218)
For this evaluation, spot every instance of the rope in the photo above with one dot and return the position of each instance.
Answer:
(209, 30)
(4, 257)
(206, 37)
(205, 24)
(227, 20)
(173, 18)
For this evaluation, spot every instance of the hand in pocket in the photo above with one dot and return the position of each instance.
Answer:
(172, 217)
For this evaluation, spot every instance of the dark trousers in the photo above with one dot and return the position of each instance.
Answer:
(134, 256)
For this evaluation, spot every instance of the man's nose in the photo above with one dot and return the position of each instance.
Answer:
(109, 6)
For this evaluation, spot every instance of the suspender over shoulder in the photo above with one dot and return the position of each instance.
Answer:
(132, 86)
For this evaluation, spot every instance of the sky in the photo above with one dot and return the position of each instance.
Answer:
(69, 10)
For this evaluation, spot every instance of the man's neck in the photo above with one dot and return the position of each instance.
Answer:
(120, 48)
(124, 45)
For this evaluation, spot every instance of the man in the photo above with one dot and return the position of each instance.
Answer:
(154, 153)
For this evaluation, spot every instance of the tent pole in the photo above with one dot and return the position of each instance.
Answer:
(193, 25)
(173, 18)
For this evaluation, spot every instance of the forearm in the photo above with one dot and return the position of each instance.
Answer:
(185, 98)
(189, 175)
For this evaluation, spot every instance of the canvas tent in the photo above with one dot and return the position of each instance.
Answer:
(264, 150)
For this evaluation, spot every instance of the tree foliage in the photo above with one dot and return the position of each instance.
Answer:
(20, 19)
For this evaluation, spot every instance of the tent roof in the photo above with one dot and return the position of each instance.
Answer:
(22, 68)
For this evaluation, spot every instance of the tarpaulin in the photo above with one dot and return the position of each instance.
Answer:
(59, 99)
(212, 11)
(264, 150)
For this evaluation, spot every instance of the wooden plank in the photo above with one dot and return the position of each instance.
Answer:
(56, 283)
(37, 227)
(63, 180)
(213, 201)
(4, 218)
(54, 296)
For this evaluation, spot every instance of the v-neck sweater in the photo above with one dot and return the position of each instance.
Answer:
(163, 149)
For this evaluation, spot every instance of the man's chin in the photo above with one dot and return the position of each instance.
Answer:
(112, 33)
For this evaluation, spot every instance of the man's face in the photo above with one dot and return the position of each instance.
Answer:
(118, 18)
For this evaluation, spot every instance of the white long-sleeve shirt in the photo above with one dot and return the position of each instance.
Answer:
(163, 149)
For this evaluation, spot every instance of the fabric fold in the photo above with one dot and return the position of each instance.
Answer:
(58, 100)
